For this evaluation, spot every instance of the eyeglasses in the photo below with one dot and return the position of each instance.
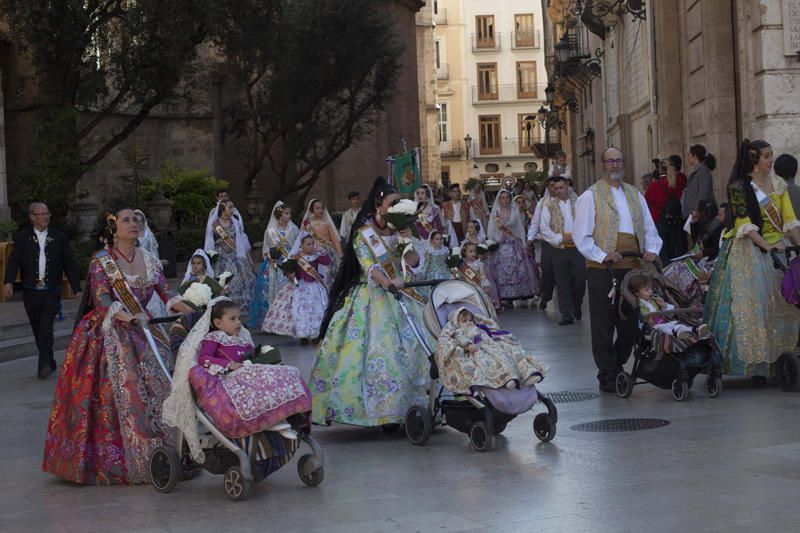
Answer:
(614, 161)
(46, 214)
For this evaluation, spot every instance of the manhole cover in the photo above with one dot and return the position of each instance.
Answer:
(570, 396)
(621, 424)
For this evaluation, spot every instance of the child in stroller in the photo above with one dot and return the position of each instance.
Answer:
(472, 353)
(255, 414)
(481, 408)
(671, 347)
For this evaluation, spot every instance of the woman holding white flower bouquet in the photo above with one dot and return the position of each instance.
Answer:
(370, 368)
(279, 237)
(226, 236)
(511, 264)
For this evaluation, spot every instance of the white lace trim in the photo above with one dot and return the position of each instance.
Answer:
(744, 229)
(220, 337)
(791, 225)
(371, 282)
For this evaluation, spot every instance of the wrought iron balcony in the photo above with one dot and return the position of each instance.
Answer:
(451, 149)
(485, 42)
(443, 71)
(527, 39)
(508, 93)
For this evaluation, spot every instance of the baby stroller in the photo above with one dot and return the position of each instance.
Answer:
(242, 461)
(663, 360)
(477, 415)
(787, 367)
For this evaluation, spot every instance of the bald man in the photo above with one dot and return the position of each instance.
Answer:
(42, 254)
(612, 217)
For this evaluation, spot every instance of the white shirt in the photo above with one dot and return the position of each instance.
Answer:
(552, 238)
(566, 172)
(348, 219)
(41, 236)
(583, 227)
(533, 230)
(457, 211)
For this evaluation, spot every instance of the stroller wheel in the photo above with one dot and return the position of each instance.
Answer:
(480, 438)
(624, 384)
(713, 386)
(236, 486)
(165, 469)
(419, 425)
(680, 390)
(788, 372)
(544, 427)
(312, 478)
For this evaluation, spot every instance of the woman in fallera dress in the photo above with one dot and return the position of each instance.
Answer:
(318, 222)
(281, 233)
(106, 414)
(744, 309)
(511, 265)
(226, 235)
(369, 368)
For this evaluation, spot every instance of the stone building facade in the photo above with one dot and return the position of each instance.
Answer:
(191, 133)
(693, 71)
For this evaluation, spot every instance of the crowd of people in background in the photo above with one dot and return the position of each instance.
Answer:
(332, 286)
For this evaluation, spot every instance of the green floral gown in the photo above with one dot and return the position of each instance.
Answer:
(370, 368)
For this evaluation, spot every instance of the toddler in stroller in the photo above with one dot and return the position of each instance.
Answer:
(254, 414)
(487, 379)
(671, 347)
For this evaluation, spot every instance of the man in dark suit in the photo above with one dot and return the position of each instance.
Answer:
(42, 254)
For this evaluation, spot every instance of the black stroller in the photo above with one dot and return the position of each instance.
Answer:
(474, 415)
(242, 461)
(667, 369)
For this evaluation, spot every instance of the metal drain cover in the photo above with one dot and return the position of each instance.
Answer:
(570, 396)
(621, 424)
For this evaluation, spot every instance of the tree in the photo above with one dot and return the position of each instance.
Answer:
(314, 76)
(95, 59)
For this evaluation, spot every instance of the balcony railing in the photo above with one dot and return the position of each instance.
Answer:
(451, 149)
(508, 93)
(483, 42)
(440, 17)
(443, 71)
(526, 39)
(518, 147)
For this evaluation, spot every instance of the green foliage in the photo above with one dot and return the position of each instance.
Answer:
(192, 191)
(7, 229)
(82, 251)
(187, 240)
(54, 168)
(471, 183)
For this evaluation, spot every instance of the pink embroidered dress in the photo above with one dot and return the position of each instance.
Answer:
(247, 400)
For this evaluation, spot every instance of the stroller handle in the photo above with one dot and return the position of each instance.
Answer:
(164, 319)
(673, 312)
(639, 255)
(778, 262)
(423, 283)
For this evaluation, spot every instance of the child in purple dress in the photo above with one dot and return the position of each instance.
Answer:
(300, 305)
(242, 398)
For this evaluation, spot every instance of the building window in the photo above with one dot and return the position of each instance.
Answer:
(445, 176)
(442, 122)
(435, 7)
(529, 132)
(526, 79)
(438, 45)
(524, 34)
(487, 81)
(484, 34)
(490, 134)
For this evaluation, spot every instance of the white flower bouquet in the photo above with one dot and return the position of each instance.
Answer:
(453, 260)
(197, 295)
(492, 245)
(403, 215)
(224, 278)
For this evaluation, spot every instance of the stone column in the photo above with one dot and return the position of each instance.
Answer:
(5, 210)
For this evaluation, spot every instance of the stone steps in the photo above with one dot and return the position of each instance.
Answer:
(16, 338)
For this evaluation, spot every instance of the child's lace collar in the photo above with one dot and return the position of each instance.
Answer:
(224, 339)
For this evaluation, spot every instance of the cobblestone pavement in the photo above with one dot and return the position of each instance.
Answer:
(727, 464)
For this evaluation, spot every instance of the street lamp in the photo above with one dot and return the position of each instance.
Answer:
(562, 49)
(550, 94)
(467, 143)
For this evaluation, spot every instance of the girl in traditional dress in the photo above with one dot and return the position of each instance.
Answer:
(106, 415)
(435, 258)
(299, 307)
(319, 224)
(752, 323)
(473, 352)
(430, 218)
(370, 368)
(474, 270)
(474, 233)
(281, 233)
(511, 264)
(479, 203)
(226, 235)
(240, 397)
(522, 205)
(199, 270)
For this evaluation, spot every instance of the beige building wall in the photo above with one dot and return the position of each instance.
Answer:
(430, 156)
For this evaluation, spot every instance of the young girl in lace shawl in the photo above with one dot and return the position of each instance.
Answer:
(642, 288)
(472, 352)
(474, 270)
